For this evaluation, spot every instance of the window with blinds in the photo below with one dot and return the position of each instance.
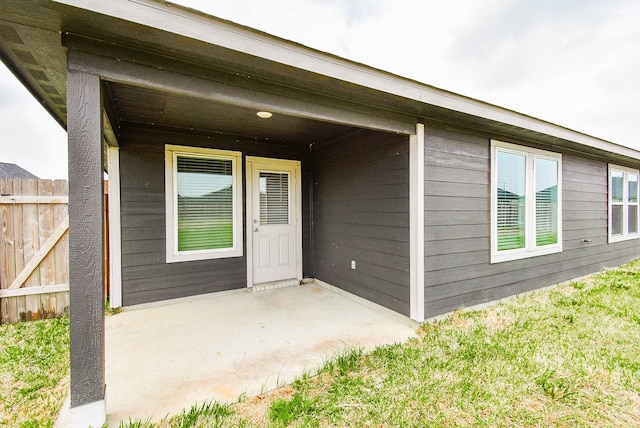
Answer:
(204, 203)
(274, 198)
(623, 203)
(526, 207)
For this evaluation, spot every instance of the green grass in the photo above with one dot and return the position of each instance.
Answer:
(34, 364)
(565, 357)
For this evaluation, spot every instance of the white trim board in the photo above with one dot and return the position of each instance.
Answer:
(416, 223)
(115, 233)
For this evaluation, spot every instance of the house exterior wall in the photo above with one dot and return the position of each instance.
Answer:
(458, 272)
(361, 213)
(146, 277)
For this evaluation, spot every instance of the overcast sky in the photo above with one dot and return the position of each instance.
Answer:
(575, 63)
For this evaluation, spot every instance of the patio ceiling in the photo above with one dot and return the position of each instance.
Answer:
(150, 108)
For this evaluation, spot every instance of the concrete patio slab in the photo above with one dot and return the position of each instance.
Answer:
(165, 358)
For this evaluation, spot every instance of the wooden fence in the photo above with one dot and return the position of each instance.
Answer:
(34, 249)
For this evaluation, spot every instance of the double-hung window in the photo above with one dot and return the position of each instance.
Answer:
(623, 203)
(526, 202)
(204, 203)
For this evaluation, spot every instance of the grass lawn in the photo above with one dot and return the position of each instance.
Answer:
(565, 357)
(34, 364)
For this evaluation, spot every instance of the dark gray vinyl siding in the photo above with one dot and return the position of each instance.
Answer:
(458, 272)
(145, 275)
(361, 213)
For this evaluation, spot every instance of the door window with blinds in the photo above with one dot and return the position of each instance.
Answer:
(623, 203)
(204, 203)
(274, 198)
(526, 202)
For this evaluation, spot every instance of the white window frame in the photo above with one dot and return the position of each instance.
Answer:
(531, 249)
(171, 175)
(625, 204)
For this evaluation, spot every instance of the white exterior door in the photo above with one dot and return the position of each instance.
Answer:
(273, 220)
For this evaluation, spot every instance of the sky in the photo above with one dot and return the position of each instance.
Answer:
(574, 63)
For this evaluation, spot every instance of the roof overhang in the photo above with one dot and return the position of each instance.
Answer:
(36, 34)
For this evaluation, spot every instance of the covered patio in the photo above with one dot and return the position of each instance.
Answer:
(163, 358)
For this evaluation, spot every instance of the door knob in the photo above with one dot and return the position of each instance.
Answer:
(255, 230)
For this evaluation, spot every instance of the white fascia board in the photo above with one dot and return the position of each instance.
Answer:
(196, 25)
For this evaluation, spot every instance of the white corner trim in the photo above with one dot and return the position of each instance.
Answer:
(88, 415)
(248, 215)
(416, 223)
(115, 233)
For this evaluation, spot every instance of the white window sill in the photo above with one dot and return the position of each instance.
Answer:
(524, 254)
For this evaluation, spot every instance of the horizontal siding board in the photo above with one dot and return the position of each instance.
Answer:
(457, 232)
(393, 248)
(361, 213)
(370, 204)
(467, 203)
(455, 246)
(571, 215)
(458, 217)
(346, 230)
(448, 189)
(584, 205)
(458, 271)
(448, 160)
(588, 188)
(454, 175)
(135, 246)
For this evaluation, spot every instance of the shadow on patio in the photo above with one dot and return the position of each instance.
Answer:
(164, 358)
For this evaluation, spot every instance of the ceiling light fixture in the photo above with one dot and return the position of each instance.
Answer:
(264, 114)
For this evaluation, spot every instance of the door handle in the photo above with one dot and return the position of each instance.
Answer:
(255, 229)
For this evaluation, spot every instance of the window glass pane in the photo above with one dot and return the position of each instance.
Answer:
(633, 219)
(274, 198)
(616, 219)
(546, 202)
(632, 187)
(617, 185)
(205, 203)
(511, 178)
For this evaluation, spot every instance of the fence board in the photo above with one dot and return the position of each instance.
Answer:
(30, 219)
(7, 254)
(61, 251)
(31, 215)
(18, 302)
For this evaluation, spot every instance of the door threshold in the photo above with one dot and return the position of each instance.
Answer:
(276, 284)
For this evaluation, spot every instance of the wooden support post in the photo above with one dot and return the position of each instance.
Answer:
(86, 248)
